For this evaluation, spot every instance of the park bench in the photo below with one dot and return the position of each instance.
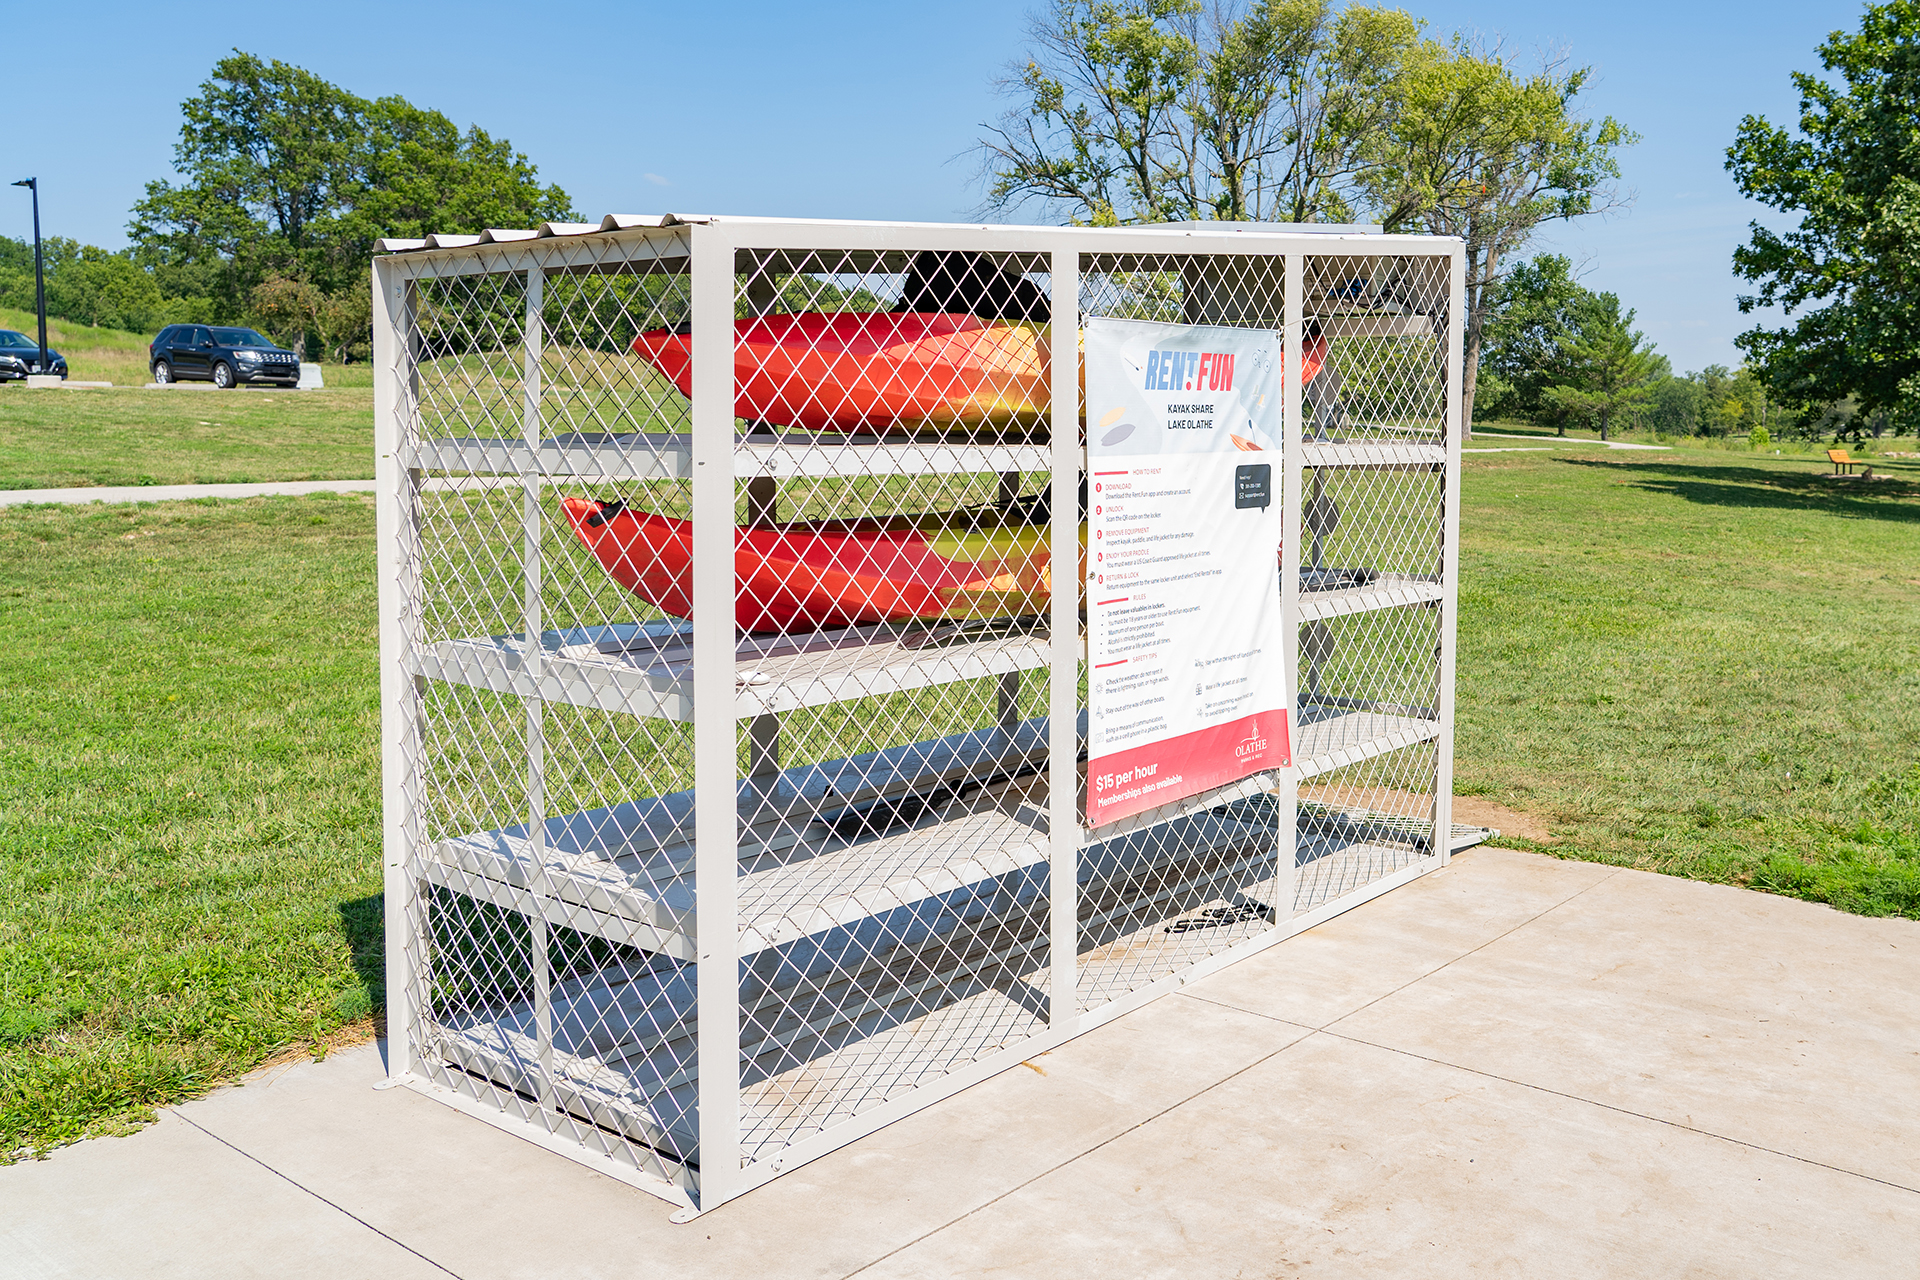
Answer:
(1843, 465)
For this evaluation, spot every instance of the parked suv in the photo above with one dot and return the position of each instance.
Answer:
(221, 355)
(20, 356)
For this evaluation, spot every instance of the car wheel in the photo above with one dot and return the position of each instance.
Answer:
(162, 372)
(222, 375)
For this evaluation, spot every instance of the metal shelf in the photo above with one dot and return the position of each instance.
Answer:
(646, 669)
(1329, 738)
(669, 455)
(1387, 591)
(1373, 455)
(626, 872)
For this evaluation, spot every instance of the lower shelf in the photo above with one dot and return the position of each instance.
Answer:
(965, 809)
(844, 1019)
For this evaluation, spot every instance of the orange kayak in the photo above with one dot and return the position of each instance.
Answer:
(874, 371)
(802, 577)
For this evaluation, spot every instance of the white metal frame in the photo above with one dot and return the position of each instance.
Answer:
(711, 460)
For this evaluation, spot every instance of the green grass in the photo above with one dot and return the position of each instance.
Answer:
(1700, 662)
(190, 804)
(56, 438)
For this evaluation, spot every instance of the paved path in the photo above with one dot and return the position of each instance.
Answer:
(1514, 1067)
(1552, 442)
(180, 492)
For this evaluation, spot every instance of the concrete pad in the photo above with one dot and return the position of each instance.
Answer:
(1356, 958)
(172, 1201)
(386, 1158)
(1188, 1139)
(1333, 1159)
(1778, 1022)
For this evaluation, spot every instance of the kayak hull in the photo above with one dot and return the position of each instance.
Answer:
(875, 372)
(797, 578)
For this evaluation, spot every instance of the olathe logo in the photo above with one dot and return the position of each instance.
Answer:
(1251, 745)
(1189, 371)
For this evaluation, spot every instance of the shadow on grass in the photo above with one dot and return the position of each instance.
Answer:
(1762, 487)
(363, 921)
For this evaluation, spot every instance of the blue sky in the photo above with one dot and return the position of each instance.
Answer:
(868, 110)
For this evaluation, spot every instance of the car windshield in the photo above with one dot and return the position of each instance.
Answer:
(239, 338)
(8, 338)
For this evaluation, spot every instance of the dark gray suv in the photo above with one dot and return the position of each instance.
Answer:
(220, 354)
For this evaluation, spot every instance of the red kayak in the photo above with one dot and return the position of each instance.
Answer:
(876, 371)
(803, 577)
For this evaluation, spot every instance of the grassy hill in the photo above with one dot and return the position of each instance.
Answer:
(93, 355)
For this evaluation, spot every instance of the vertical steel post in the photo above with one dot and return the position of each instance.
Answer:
(1293, 328)
(1454, 425)
(1063, 682)
(533, 657)
(715, 764)
(398, 564)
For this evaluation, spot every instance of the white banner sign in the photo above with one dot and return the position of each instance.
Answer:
(1187, 681)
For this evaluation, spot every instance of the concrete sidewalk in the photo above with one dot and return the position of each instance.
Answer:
(1516, 1066)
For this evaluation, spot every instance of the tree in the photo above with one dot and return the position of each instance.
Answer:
(1853, 174)
(1608, 365)
(1530, 315)
(1159, 110)
(285, 175)
(1473, 150)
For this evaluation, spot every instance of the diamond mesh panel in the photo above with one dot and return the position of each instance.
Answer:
(891, 649)
(1169, 888)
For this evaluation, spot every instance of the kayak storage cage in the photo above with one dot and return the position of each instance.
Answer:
(734, 660)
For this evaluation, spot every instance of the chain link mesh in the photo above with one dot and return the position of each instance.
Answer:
(892, 650)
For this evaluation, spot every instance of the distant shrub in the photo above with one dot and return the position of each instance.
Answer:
(1759, 437)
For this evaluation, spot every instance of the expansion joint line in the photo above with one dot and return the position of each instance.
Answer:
(345, 1212)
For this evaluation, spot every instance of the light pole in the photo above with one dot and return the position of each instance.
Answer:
(39, 272)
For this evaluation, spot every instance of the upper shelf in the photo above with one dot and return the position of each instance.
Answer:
(802, 454)
(669, 455)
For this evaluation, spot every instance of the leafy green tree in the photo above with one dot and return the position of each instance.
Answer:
(1673, 406)
(286, 175)
(1852, 266)
(1608, 366)
(1136, 111)
(1162, 110)
(1475, 150)
(1530, 315)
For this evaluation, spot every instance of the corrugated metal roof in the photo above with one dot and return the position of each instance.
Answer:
(546, 230)
(627, 221)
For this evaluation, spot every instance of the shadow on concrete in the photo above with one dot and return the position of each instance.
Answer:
(1755, 487)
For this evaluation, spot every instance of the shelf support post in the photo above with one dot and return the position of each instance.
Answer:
(1454, 425)
(1293, 429)
(534, 624)
(1063, 676)
(396, 405)
(715, 764)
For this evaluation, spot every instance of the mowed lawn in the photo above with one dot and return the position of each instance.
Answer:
(1700, 661)
(1703, 661)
